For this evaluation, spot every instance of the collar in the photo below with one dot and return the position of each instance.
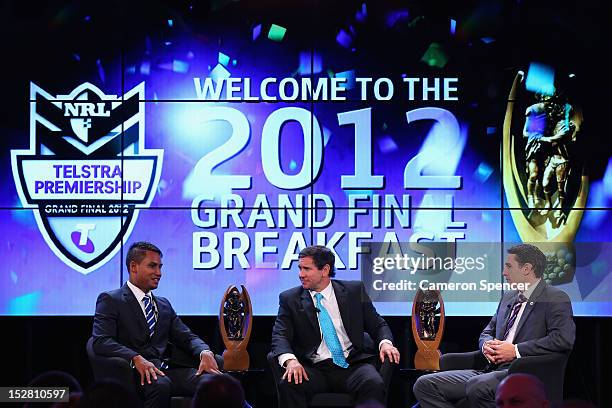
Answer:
(529, 291)
(327, 292)
(138, 293)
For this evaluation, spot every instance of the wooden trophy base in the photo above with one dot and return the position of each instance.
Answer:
(427, 360)
(235, 360)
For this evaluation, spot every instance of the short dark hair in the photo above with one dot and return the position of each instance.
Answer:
(138, 251)
(321, 256)
(218, 391)
(527, 253)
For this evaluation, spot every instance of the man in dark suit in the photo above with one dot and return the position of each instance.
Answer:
(531, 322)
(318, 336)
(133, 324)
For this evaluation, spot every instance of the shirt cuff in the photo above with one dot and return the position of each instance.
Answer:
(284, 357)
(383, 341)
(206, 351)
(518, 355)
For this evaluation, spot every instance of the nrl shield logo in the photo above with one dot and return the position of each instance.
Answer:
(86, 170)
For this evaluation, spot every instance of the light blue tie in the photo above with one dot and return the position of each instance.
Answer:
(149, 314)
(329, 334)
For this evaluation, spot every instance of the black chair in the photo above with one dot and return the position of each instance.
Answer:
(550, 369)
(118, 369)
(334, 399)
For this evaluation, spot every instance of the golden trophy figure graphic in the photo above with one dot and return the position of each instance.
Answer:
(235, 323)
(544, 182)
(427, 328)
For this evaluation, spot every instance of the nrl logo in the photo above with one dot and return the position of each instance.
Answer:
(86, 171)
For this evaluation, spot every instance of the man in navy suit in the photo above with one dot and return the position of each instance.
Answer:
(318, 336)
(534, 322)
(133, 324)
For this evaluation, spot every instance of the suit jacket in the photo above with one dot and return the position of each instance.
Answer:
(546, 326)
(296, 329)
(120, 328)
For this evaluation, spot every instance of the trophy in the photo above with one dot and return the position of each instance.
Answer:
(427, 328)
(235, 322)
(544, 182)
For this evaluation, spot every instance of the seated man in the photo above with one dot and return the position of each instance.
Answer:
(133, 324)
(536, 321)
(318, 335)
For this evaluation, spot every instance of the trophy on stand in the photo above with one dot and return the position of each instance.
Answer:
(235, 321)
(427, 328)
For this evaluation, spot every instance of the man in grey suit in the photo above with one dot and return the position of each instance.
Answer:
(318, 336)
(536, 321)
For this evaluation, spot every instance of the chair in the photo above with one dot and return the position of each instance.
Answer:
(550, 369)
(333, 399)
(118, 369)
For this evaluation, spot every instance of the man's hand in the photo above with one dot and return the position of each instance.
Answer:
(503, 351)
(293, 369)
(208, 364)
(488, 351)
(390, 351)
(146, 369)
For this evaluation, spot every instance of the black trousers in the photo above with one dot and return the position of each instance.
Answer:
(440, 390)
(360, 379)
(176, 382)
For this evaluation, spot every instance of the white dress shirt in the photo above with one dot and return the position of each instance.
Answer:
(330, 304)
(139, 294)
(510, 338)
(527, 293)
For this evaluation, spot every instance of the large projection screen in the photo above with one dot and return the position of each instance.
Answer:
(233, 133)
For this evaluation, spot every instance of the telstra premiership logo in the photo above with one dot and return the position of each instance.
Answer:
(86, 171)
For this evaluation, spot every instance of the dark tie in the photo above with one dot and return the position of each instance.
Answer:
(513, 315)
(149, 314)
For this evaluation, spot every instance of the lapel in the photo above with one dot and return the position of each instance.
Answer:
(131, 300)
(309, 309)
(342, 300)
(531, 303)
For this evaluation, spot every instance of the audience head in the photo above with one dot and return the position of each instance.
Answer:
(108, 393)
(218, 391)
(521, 391)
(53, 379)
(56, 379)
(74, 400)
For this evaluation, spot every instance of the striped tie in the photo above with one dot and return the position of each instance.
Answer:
(513, 315)
(329, 334)
(149, 314)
